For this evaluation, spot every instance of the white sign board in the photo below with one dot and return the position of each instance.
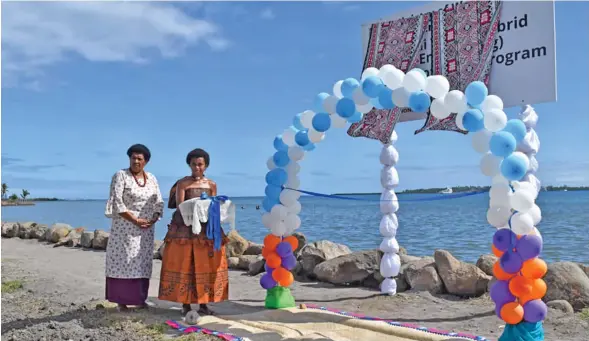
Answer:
(524, 55)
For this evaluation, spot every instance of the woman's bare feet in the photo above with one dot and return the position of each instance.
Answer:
(185, 309)
(204, 310)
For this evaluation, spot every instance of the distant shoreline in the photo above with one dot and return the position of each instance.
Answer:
(462, 189)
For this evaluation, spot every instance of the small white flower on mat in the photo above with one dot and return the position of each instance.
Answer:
(192, 318)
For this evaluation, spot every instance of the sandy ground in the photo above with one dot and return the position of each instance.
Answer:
(63, 289)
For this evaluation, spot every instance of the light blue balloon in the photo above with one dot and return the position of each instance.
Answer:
(309, 147)
(502, 144)
(419, 101)
(385, 98)
(268, 203)
(302, 138)
(348, 87)
(273, 192)
(281, 158)
(319, 99)
(517, 128)
(279, 143)
(296, 122)
(513, 168)
(357, 117)
(475, 93)
(376, 103)
(372, 86)
(276, 177)
(345, 107)
(321, 122)
(473, 120)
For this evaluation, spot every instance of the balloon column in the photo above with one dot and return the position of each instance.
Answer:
(278, 253)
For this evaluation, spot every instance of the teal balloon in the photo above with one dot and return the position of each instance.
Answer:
(473, 120)
(502, 144)
(372, 86)
(345, 107)
(476, 92)
(419, 101)
(348, 86)
(513, 168)
(517, 128)
(385, 98)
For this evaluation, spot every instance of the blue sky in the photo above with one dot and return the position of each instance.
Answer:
(81, 82)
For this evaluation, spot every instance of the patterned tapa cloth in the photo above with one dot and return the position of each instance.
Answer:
(463, 36)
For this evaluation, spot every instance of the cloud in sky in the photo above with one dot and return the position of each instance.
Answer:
(267, 14)
(12, 164)
(37, 35)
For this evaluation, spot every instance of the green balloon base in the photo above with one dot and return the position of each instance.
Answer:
(279, 298)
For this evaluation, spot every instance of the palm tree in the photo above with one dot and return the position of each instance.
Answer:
(4, 190)
(24, 194)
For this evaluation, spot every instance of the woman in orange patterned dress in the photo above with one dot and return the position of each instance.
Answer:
(193, 272)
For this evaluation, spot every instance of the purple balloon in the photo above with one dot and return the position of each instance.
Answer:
(498, 310)
(268, 269)
(500, 293)
(529, 246)
(289, 262)
(283, 249)
(503, 239)
(511, 262)
(535, 311)
(267, 282)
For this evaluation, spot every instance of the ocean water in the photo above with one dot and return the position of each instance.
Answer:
(458, 225)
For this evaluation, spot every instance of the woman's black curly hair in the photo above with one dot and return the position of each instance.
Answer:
(196, 153)
(139, 149)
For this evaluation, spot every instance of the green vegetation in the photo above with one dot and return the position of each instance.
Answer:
(13, 197)
(4, 190)
(584, 314)
(11, 286)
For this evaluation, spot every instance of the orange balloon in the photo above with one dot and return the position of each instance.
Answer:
(500, 274)
(512, 313)
(265, 252)
(518, 236)
(271, 241)
(520, 286)
(534, 268)
(538, 291)
(273, 260)
(282, 277)
(293, 241)
(496, 251)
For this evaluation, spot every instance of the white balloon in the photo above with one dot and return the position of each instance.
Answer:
(390, 265)
(288, 136)
(337, 89)
(292, 169)
(270, 163)
(293, 182)
(278, 212)
(401, 97)
(360, 97)
(480, 141)
(267, 220)
(278, 228)
(438, 109)
(295, 208)
(389, 245)
(389, 155)
(499, 179)
(525, 186)
(536, 214)
(522, 223)
(490, 164)
(414, 81)
(330, 103)
(387, 68)
(388, 225)
(455, 101)
(371, 71)
(491, 102)
(458, 118)
(295, 153)
(338, 122)
(394, 137)
(524, 157)
(537, 233)
(307, 119)
(495, 120)
(389, 177)
(500, 191)
(393, 79)
(315, 136)
(498, 216)
(437, 86)
(389, 202)
(388, 286)
(288, 197)
(292, 222)
(364, 108)
(522, 201)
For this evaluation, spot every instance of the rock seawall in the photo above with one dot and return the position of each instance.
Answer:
(326, 261)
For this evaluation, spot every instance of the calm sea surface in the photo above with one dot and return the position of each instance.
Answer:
(458, 225)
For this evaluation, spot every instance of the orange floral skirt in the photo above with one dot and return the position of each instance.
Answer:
(192, 271)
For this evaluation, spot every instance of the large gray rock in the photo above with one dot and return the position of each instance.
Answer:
(246, 260)
(561, 305)
(26, 229)
(74, 238)
(233, 263)
(585, 268)
(57, 232)
(157, 245)
(302, 242)
(318, 252)
(567, 281)
(350, 268)
(39, 232)
(236, 244)
(424, 279)
(486, 262)
(10, 230)
(462, 279)
(253, 249)
(86, 239)
(100, 240)
(256, 267)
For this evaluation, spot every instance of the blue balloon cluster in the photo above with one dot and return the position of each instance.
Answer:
(473, 120)
(503, 144)
(348, 86)
(281, 159)
(385, 98)
(475, 93)
(275, 179)
(357, 117)
(419, 101)
(372, 86)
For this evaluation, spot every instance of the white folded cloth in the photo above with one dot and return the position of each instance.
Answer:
(196, 211)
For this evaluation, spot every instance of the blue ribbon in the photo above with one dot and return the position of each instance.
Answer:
(523, 331)
(214, 231)
(431, 198)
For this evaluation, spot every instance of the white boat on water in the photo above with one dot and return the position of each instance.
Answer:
(446, 191)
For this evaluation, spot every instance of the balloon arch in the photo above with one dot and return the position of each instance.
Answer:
(518, 291)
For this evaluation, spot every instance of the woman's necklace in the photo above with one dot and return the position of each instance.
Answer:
(137, 181)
